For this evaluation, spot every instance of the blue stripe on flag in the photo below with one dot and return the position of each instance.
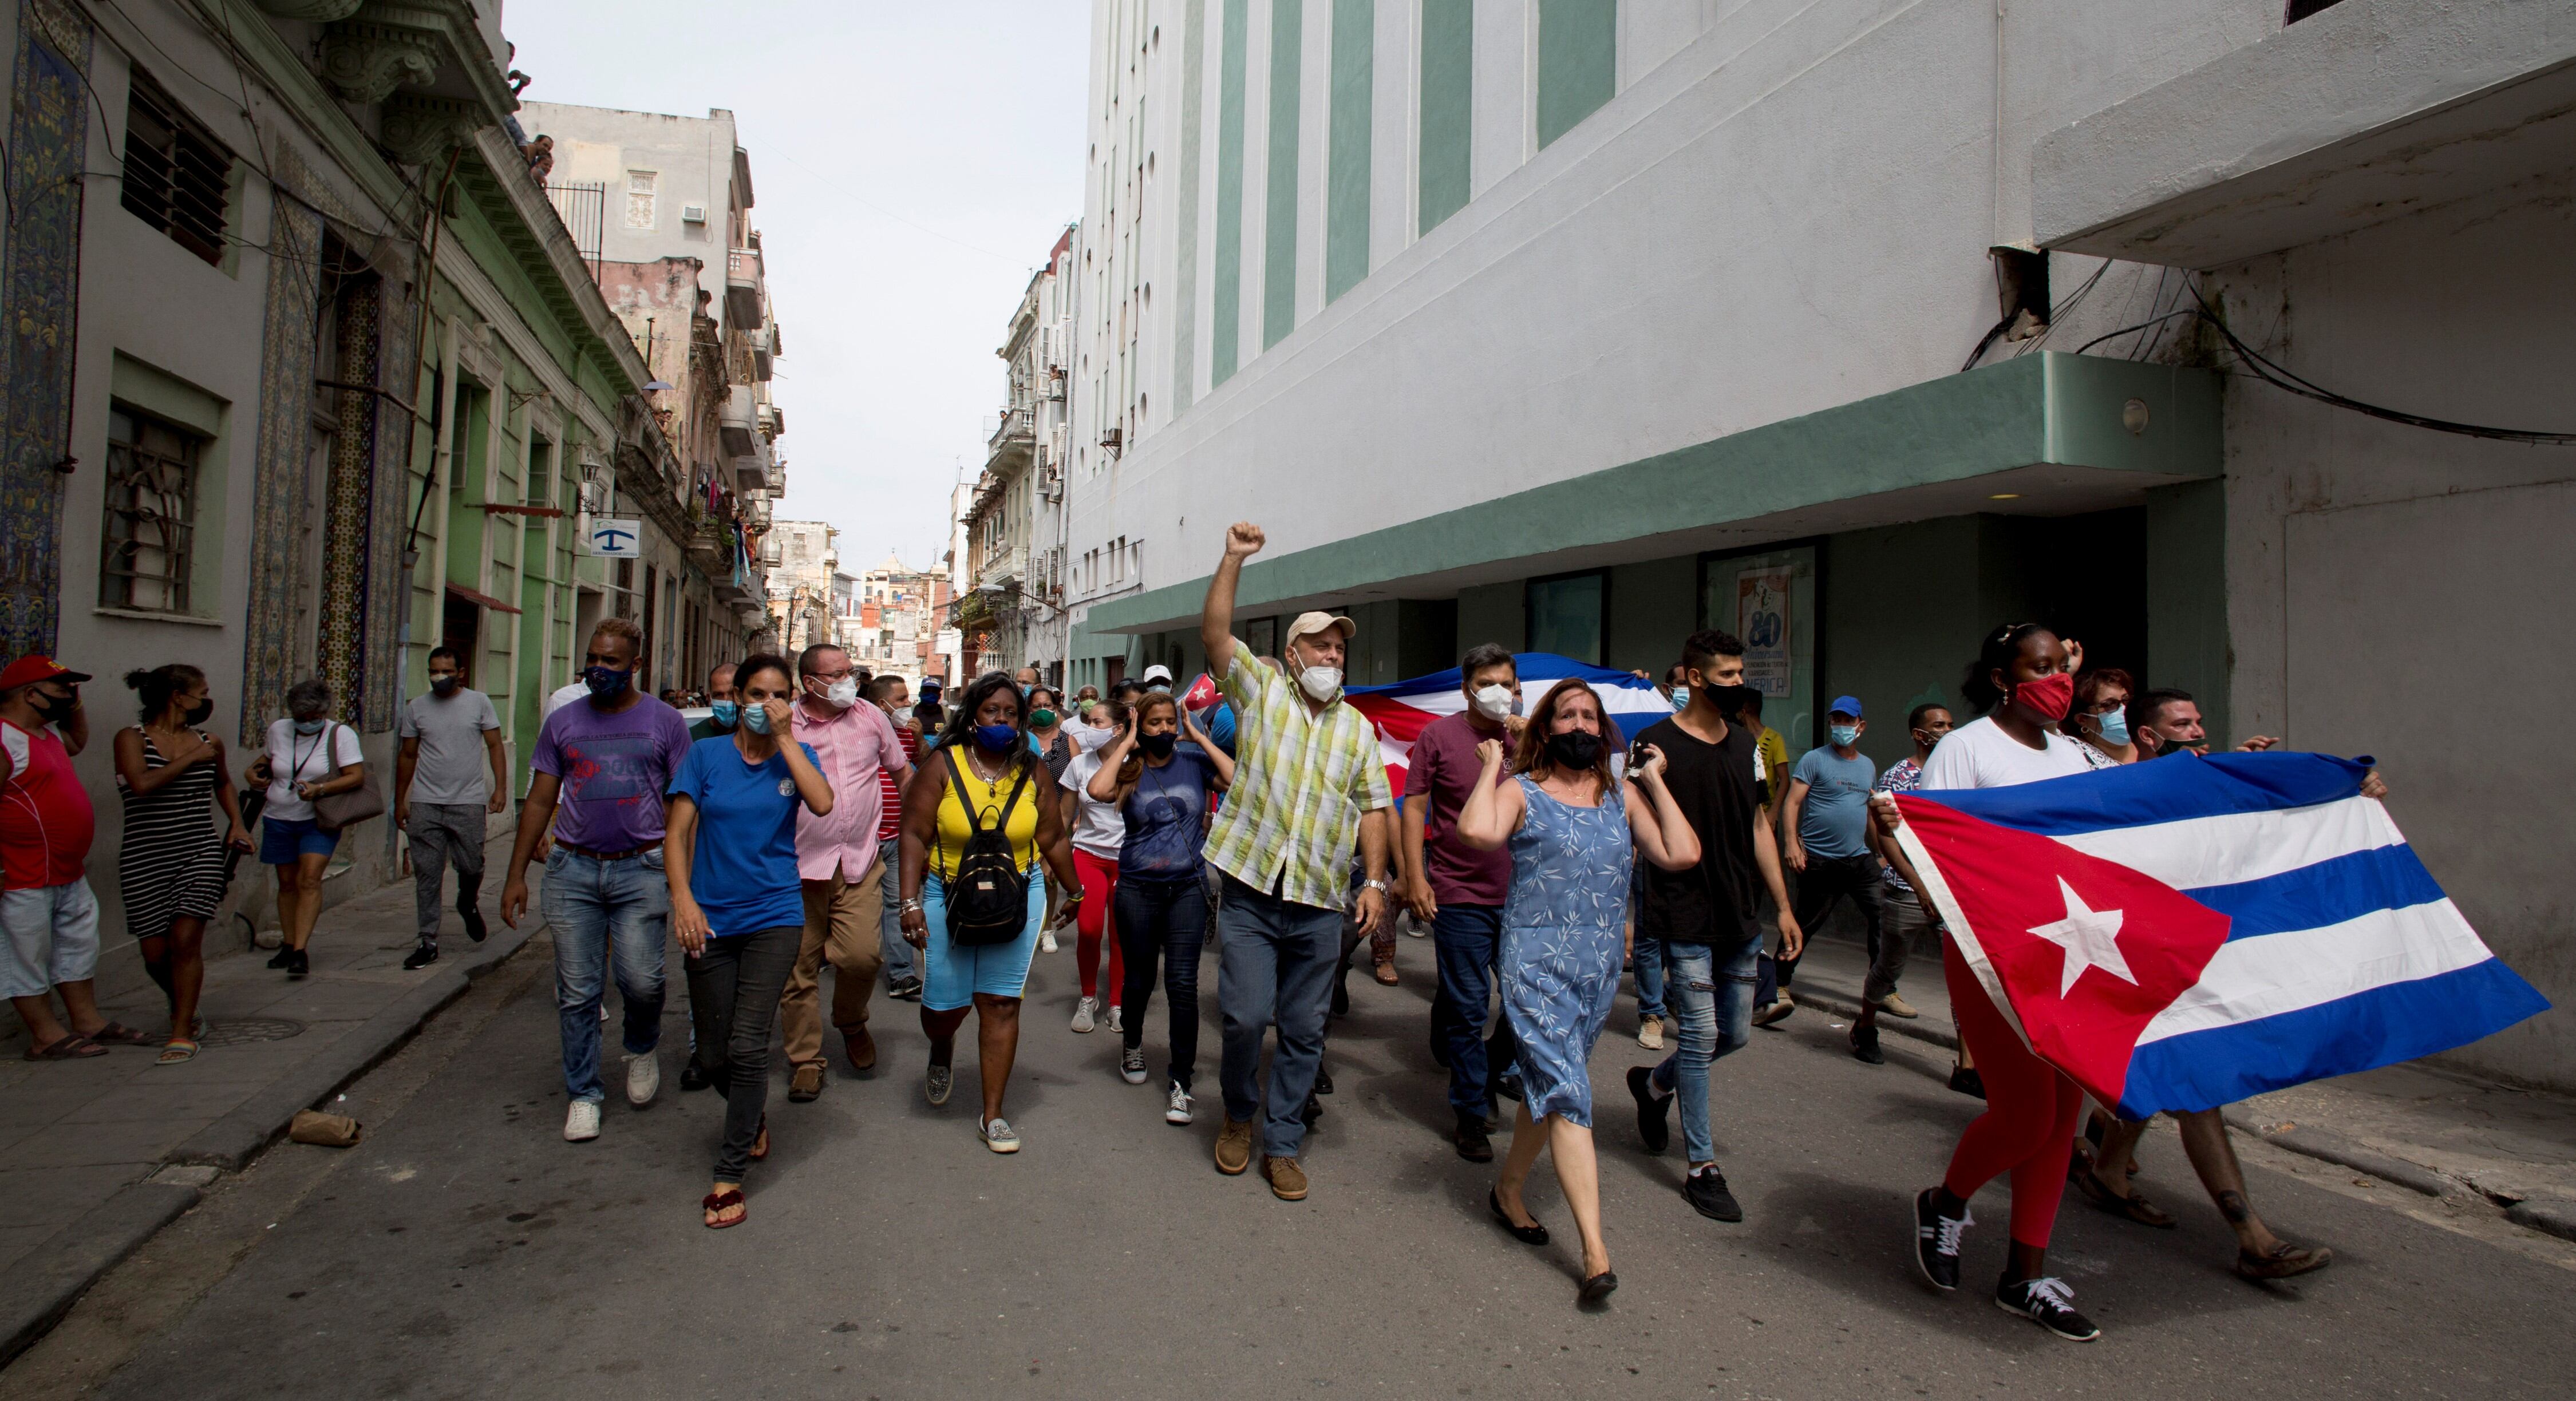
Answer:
(2388, 1024)
(2329, 892)
(2169, 790)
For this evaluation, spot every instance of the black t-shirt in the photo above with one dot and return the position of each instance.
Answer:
(1719, 901)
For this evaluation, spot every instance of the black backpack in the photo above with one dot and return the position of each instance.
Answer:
(988, 899)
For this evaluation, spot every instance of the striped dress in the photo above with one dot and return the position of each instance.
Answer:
(172, 863)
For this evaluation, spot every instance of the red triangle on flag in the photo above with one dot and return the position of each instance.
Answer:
(2081, 953)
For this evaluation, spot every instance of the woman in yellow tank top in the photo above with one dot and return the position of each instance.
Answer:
(982, 774)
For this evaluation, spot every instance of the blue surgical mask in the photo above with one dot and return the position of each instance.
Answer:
(756, 719)
(998, 738)
(1681, 698)
(1845, 736)
(2114, 726)
(726, 714)
(310, 727)
(605, 681)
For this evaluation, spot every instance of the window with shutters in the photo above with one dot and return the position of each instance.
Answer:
(148, 544)
(178, 178)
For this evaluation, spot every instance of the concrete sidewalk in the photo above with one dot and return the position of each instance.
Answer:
(96, 1155)
(2438, 1132)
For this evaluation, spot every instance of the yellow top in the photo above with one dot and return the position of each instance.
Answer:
(955, 830)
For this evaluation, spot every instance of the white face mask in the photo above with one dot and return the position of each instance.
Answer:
(1321, 682)
(843, 693)
(1494, 702)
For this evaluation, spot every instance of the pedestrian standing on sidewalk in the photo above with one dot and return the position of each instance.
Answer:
(1708, 918)
(1099, 831)
(48, 917)
(451, 740)
(1826, 820)
(1163, 792)
(2024, 681)
(836, 853)
(977, 820)
(1901, 918)
(602, 766)
(1571, 830)
(902, 970)
(309, 755)
(1459, 889)
(1309, 784)
(170, 775)
(738, 905)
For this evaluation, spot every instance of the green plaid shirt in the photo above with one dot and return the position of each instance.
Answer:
(1301, 781)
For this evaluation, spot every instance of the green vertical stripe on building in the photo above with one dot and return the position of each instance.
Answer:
(1185, 316)
(1578, 56)
(1229, 195)
(1346, 192)
(1448, 91)
(1279, 212)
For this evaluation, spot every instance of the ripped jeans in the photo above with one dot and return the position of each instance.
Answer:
(1710, 992)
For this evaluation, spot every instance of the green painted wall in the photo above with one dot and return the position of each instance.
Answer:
(1903, 611)
(1448, 117)
(1346, 187)
(1426, 636)
(1497, 613)
(1578, 57)
(1228, 330)
(1279, 204)
(2186, 580)
(1185, 321)
(1654, 604)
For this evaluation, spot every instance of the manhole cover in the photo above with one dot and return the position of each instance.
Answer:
(241, 1031)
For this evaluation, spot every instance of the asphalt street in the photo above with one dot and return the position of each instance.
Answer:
(465, 1250)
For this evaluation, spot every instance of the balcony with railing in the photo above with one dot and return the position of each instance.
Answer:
(746, 289)
(738, 422)
(1014, 441)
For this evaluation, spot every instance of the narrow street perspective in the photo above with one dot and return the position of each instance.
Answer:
(1484, 698)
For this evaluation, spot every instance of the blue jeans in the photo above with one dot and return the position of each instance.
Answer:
(1712, 1021)
(1275, 965)
(1163, 919)
(1467, 939)
(1649, 953)
(901, 960)
(604, 912)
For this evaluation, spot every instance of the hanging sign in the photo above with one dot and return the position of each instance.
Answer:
(611, 538)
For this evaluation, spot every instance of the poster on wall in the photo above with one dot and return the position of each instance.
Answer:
(1762, 621)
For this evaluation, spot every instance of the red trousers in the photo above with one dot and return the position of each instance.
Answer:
(2028, 1128)
(1099, 883)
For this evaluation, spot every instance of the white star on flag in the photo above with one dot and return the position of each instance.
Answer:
(2089, 936)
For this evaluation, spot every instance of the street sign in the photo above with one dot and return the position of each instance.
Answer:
(613, 539)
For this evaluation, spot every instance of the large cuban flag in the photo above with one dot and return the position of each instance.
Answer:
(2184, 933)
(1401, 709)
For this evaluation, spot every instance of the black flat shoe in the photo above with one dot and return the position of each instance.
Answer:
(1526, 1235)
(474, 929)
(300, 965)
(284, 956)
(1598, 1287)
(693, 1076)
(1323, 1081)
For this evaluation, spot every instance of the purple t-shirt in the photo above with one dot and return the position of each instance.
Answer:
(1444, 767)
(615, 768)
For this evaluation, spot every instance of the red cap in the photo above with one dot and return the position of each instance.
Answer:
(32, 668)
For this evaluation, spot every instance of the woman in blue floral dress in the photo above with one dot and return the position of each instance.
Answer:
(1571, 826)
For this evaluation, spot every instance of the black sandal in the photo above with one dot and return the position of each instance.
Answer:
(1526, 1235)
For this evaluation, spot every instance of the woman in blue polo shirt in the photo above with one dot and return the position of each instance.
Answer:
(737, 904)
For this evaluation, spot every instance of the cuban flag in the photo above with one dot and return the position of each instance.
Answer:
(1401, 709)
(2182, 934)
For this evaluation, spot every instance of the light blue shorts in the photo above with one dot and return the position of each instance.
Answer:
(951, 976)
(48, 937)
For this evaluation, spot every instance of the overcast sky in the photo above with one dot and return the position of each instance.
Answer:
(912, 164)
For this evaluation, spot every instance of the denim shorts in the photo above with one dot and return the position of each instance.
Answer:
(951, 975)
(48, 936)
(283, 839)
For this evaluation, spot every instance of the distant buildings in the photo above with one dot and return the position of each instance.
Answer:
(1013, 603)
(901, 614)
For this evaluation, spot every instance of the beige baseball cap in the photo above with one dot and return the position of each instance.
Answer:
(1317, 622)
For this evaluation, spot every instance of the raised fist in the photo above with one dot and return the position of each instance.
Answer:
(1243, 539)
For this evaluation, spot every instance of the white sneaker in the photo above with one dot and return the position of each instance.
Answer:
(1650, 1033)
(643, 1078)
(581, 1122)
(1116, 1022)
(1046, 941)
(1179, 1110)
(1086, 1014)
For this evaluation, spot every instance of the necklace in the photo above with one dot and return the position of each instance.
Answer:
(975, 761)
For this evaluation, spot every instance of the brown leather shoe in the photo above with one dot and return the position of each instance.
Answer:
(1386, 973)
(806, 1085)
(1287, 1180)
(1234, 1147)
(861, 1048)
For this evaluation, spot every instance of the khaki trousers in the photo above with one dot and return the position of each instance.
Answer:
(841, 919)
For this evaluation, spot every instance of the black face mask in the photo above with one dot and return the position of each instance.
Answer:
(1729, 700)
(52, 707)
(445, 684)
(197, 713)
(1574, 749)
(1158, 746)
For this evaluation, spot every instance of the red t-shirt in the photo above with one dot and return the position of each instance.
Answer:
(1444, 766)
(45, 817)
(891, 822)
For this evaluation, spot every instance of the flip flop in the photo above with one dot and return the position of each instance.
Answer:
(725, 1200)
(178, 1051)
(72, 1046)
(119, 1034)
(2284, 1261)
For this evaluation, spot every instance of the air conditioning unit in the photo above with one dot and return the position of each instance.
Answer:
(693, 214)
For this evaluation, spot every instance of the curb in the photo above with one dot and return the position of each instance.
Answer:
(2558, 1218)
(44, 1286)
(232, 1141)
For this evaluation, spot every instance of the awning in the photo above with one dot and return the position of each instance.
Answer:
(484, 599)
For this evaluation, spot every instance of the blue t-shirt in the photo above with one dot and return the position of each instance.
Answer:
(1831, 820)
(1220, 726)
(743, 871)
(1167, 819)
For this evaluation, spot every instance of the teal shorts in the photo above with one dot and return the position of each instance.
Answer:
(951, 975)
